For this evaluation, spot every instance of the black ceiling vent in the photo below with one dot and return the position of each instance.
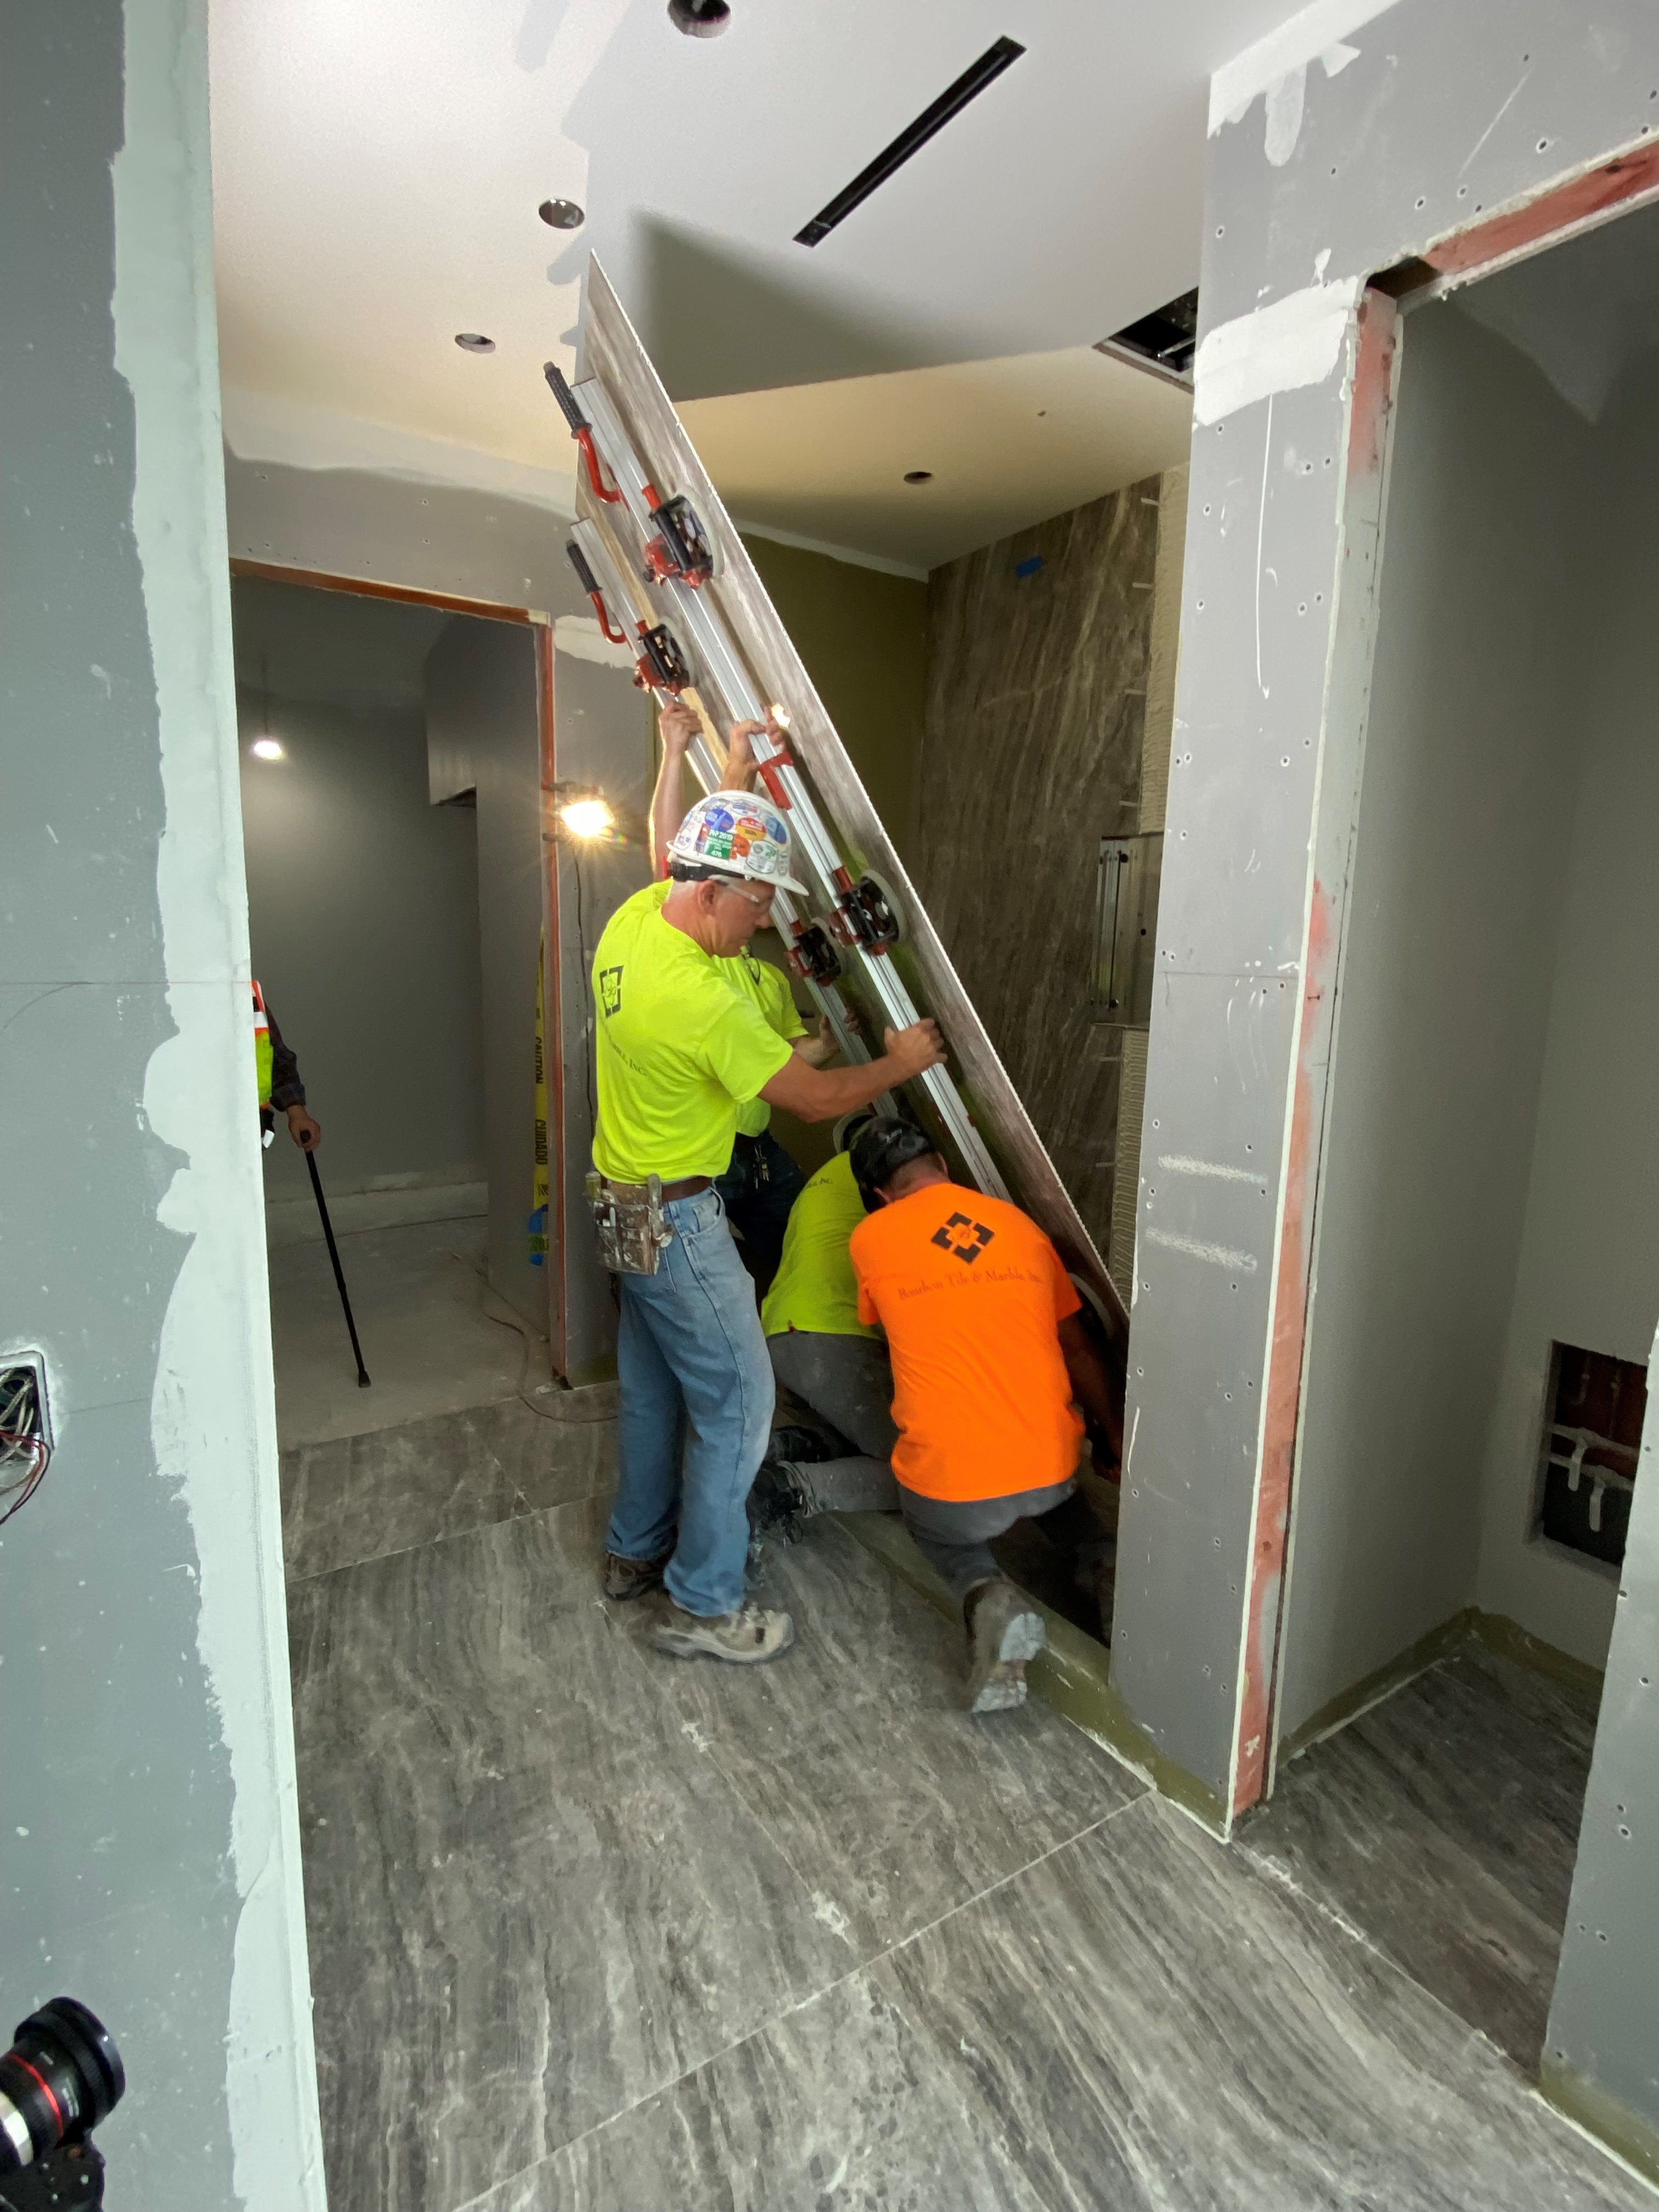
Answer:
(914, 137)
(1164, 341)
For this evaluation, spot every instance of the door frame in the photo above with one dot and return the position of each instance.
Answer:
(365, 587)
(1615, 186)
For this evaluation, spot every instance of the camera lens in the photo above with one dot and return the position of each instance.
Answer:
(61, 2077)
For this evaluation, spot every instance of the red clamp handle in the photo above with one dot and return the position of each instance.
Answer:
(771, 774)
(585, 439)
(616, 636)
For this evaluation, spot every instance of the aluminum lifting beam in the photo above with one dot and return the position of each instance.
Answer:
(603, 582)
(676, 558)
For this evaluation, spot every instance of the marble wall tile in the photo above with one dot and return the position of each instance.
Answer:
(532, 1900)
(1444, 1823)
(355, 1497)
(1035, 711)
(854, 1751)
(1141, 2020)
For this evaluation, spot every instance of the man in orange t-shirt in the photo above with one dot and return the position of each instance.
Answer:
(989, 1350)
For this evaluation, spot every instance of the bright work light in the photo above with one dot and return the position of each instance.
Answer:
(585, 817)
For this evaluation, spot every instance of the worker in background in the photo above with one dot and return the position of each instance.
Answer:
(678, 1052)
(990, 1350)
(763, 1181)
(832, 1361)
(281, 1090)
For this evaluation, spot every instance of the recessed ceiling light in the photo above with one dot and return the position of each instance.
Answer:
(699, 19)
(265, 749)
(564, 214)
(474, 341)
(918, 476)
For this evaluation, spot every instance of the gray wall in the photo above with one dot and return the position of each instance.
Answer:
(363, 912)
(484, 732)
(1326, 163)
(1589, 1266)
(151, 1862)
(1472, 758)
(362, 896)
(1291, 412)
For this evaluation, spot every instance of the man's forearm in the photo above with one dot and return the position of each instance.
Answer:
(824, 1094)
(1092, 1385)
(666, 811)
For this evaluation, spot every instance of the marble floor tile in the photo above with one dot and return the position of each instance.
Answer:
(1444, 1823)
(894, 1803)
(357, 1497)
(532, 1900)
(1141, 2020)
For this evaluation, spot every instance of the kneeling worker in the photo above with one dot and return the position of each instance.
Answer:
(679, 1051)
(988, 1348)
(832, 1360)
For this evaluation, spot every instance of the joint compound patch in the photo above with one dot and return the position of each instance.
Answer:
(1295, 341)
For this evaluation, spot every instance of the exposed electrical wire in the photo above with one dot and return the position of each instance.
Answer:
(553, 1398)
(25, 1454)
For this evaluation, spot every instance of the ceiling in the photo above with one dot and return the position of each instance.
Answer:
(379, 165)
(1008, 443)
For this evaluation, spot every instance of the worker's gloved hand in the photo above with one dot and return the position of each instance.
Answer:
(306, 1133)
(915, 1049)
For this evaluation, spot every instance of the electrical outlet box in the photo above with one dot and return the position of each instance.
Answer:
(25, 1414)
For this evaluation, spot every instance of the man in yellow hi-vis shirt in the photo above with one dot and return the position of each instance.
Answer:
(679, 1051)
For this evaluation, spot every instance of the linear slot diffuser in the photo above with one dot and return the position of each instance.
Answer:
(914, 136)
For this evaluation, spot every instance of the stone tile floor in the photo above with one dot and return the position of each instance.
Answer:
(598, 1930)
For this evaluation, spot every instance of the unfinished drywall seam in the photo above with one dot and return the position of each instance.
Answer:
(1318, 33)
(212, 1413)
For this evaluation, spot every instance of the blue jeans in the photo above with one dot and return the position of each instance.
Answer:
(758, 1188)
(696, 1410)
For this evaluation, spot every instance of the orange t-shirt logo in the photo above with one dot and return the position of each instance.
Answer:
(972, 1242)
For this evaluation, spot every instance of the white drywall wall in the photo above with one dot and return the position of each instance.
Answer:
(1588, 1270)
(1471, 763)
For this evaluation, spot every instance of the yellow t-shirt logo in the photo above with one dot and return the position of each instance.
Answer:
(611, 989)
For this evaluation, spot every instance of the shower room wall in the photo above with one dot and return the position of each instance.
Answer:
(1474, 751)
(1589, 1272)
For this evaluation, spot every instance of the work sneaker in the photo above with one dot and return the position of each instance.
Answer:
(1004, 1634)
(751, 1634)
(626, 1578)
(802, 1445)
(777, 1502)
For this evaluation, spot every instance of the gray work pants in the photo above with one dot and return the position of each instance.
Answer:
(848, 1383)
(954, 1534)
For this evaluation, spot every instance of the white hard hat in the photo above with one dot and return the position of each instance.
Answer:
(737, 833)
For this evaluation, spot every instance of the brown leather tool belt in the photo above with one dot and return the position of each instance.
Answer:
(687, 1187)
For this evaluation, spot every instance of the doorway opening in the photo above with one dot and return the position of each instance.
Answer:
(1489, 1185)
(390, 749)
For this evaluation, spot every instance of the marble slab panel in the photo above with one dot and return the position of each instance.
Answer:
(530, 1899)
(1035, 712)
(1444, 1823)
(1141, 2021)
(357, 1497)
(893, 1803)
